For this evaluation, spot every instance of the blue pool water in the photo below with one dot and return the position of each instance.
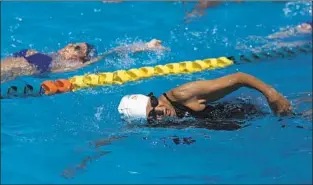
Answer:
(42, 137)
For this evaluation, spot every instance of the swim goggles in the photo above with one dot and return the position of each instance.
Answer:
(152, 116)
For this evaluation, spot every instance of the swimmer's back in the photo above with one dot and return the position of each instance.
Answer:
(223, 116)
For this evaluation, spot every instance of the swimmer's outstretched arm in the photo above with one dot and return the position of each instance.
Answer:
(153, 45)
(303, 28)
(213, 90)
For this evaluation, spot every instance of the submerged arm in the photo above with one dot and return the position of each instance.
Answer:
(71, 172)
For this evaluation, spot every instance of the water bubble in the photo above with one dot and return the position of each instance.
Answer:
(19, 19)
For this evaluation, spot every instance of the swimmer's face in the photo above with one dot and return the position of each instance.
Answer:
(77, 52)
(159, 110)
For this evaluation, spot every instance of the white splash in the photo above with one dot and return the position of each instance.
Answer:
(292, 9)
(99, 113)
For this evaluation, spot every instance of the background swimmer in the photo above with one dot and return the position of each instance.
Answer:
(278, 40)
(200, 8)
(72, 57)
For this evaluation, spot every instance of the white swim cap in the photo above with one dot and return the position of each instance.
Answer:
(133, 107)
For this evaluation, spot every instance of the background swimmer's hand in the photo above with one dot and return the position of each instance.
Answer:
(155, 44)
(280, 105)
(304, 28)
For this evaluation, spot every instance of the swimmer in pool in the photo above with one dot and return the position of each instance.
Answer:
(193, 100)
(72, 57)
(190, 100)
(200, 8)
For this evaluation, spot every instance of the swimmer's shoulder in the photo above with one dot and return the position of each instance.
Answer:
(187, 90)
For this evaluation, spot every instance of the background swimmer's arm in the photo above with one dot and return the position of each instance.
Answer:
(283, 34)
(213, 90)
(153, 45)
(300, 29)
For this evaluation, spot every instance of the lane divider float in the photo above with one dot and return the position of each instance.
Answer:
(119, 77)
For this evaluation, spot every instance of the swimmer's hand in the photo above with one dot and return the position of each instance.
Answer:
(280, 105)
(154, 45)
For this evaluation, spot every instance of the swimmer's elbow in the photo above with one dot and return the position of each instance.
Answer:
(243, 78)
(240, 78)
